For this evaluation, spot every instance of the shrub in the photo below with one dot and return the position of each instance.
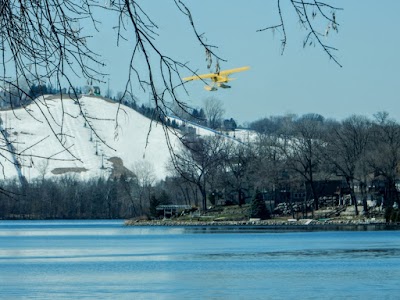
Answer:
(388, 214)
(258, 209)
(393, 216)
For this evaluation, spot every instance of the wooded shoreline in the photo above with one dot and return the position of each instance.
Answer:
(357, 225)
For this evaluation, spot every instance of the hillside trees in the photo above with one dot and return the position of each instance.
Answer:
(268, 126)
(302, 150)
(198, 160)
(237, 170)
(290, 148)
(269, 167)
(347, 148)
(363, 153)
(384, 157)
(214, 112)
(199, 116)
(181, 191)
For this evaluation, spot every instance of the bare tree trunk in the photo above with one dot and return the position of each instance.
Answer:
(364, 197)
(315, 194)
(204, 194)
(350, 182)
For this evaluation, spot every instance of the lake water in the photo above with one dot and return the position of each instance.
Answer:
(105, 260)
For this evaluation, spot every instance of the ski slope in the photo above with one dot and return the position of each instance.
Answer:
(80, 146)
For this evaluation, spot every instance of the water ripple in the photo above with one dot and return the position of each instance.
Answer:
(306, 254)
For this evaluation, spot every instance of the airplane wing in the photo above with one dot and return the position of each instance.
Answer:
(217, 77)
(228, 72)
(203, 76)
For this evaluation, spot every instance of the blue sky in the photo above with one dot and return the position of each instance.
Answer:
(299, 81)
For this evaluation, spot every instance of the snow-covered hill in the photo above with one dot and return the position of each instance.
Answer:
(55, 128)
(110, 140)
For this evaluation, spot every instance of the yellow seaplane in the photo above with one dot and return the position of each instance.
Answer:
(218, 79)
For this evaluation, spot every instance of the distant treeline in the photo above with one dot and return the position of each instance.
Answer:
(16, 97)
(70, 198)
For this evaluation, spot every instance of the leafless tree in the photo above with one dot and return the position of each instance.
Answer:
(214, 110)
(145, 178)
(198, 159)
(43, 166)
(302, 150)
(347, 148)
(270, 169)
(238, 168)
(384, 156)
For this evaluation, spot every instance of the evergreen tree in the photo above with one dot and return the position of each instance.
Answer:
(195, 114)
(163, 199)
(174, 124)
(258, 207)
(202, 120)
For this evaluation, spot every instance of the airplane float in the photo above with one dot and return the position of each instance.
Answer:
(218, 79)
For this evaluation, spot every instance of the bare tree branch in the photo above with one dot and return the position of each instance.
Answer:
(307, 13)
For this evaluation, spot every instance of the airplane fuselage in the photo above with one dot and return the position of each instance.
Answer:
(218, 79)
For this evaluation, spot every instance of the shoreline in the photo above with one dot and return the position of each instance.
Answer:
(303, 225)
